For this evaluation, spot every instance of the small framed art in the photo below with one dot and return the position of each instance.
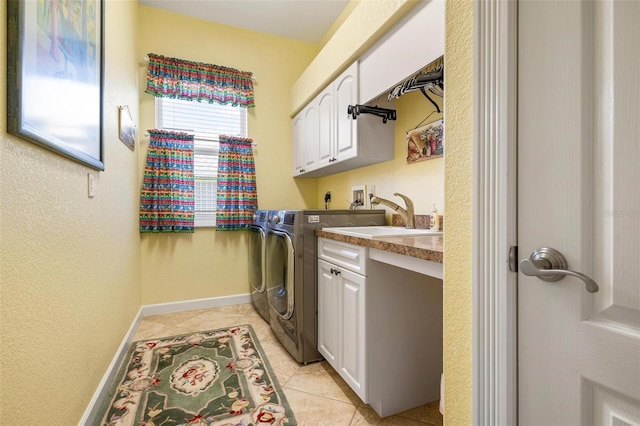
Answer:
(425, 142)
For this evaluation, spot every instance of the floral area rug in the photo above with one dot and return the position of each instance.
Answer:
(218, 377)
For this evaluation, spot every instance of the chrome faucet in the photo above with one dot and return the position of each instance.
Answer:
(407, 215)
(355, 204)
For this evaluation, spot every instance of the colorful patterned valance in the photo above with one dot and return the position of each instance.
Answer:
(197, 81)
(237, 193)
(167, 197)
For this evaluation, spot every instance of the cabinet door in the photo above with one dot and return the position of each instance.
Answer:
(351, 362)
(298, 144)
(328, 312)
(326, 131)
(310, 159)
(346, 92)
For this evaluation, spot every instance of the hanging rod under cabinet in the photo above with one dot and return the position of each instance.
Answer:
(386, 114)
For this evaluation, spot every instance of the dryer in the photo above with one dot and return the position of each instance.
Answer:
(257, 262)
(292, 289)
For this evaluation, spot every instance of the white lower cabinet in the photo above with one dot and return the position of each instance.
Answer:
(328, 312)
(379, 327)
(341, 327)
(341, 310)
(352, 303)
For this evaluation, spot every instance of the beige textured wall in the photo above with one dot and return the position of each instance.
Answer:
(70, 265)
(458, 189)
(209, 263)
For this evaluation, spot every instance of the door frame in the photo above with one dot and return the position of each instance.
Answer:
(495, 101)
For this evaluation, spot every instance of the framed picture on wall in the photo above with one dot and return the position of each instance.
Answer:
(55, 76)
(425, 142)
(126, 127)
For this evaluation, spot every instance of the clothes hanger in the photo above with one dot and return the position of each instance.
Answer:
(432, 80)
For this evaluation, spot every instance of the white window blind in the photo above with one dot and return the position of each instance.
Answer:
(206, 121)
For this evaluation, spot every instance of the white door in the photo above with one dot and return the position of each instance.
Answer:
(326, 133)
(298, 143)
(579, 193)
(310, 150)
(328, 319)
(351, 301)
(346, 91)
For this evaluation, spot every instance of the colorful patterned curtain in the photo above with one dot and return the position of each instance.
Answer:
(167, 196)
(177, 78)
(237, 195)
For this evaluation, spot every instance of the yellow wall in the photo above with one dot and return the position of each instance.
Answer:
(422, 181)
(209, 263)
(338, 22)
(70, 265)
(458, 189)
(367, 21)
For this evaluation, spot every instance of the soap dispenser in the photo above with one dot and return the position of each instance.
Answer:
(434, 222)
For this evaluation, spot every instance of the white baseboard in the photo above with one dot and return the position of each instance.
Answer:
(195, 304)
(90, 413)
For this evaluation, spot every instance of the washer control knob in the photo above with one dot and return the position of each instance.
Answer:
(275, 219)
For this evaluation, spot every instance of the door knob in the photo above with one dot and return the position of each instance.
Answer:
(550, 265)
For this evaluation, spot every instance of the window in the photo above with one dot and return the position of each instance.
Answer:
(206, 121)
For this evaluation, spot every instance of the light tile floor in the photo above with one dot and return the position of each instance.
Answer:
(316, 393)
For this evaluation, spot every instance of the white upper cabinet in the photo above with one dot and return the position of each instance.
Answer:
(298, 148)
(326, 127)
(333, 141)
(346, 89)
(412, 44)
(310, 143)
(306, 138)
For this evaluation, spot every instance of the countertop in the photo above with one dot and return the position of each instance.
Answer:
(427, 247)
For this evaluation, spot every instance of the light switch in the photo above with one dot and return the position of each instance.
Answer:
(91, 185)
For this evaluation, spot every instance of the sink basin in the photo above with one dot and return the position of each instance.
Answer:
(373, 232)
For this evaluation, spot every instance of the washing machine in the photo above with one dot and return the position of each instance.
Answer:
(292, 278)
(257, 262)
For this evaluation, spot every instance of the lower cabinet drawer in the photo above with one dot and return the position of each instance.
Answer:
(348, 256)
